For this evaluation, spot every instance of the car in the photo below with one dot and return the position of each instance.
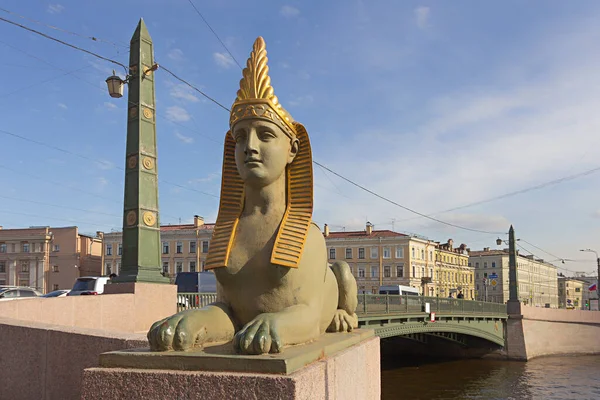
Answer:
(57, 293)
(89, 285)
(14, 293)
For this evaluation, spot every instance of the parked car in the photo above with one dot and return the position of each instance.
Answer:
(14, 293)
(57, 293)
(89, 285)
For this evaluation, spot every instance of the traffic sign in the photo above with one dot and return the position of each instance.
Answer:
(493, 275)
(494, 282)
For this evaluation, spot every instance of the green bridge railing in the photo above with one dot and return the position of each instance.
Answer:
(373, 304)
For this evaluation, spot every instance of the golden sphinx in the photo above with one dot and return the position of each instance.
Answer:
(274, 285)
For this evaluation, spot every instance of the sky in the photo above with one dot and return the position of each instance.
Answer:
(433, 105)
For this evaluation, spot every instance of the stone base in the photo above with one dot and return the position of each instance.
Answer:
(349, 373)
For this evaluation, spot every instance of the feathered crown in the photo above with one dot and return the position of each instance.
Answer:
(255, 98)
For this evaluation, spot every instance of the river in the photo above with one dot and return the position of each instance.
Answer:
(570, 377)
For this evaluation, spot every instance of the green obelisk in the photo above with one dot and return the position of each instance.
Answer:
(141, 259)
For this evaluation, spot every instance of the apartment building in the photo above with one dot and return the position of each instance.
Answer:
(536, 279)
(47, 258)
(570, 293)
(385, 257)
(453, 275)
(588, 294)
(184, 248)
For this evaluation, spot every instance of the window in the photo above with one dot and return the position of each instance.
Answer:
(165, 248)
(577, 290)
(399, 252)
(2, 267)
(179, 266)
(192, 266)
(430, 255)
(413, 252)
(431, 272)
(109, 249)
(493, 264)
(469, 264)
(107, 268)
(55, 286)
(348, 252)
(56, 247)
(2, 282)
(2, 247)
(387, 253)
(374, 252)
(485, 264)
(361, 253)
(205, 246)
(120, 249)
(25, 247)
(477, 286)
(192, 247)
(387, 272)
(165, 267)
(25, 267)
(422, 254)
(414, 271)
(422, 271)
(202, 265)
(55, 268)
(476, 265)
(374, 271)
(179, 248)
(400, 271)
(332, 253)
(361, 272)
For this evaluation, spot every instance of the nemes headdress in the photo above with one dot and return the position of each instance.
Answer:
(256, 100)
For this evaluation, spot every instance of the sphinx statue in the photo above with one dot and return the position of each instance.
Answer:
(275, 287)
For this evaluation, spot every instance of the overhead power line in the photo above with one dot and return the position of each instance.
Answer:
(65, 43)
(194, 87)
(215, 33)
(94, 38)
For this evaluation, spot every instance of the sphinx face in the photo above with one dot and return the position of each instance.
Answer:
(262, 151)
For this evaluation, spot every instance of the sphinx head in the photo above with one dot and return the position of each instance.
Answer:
(262, 151)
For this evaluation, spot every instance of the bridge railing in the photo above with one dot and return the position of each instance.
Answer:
(395, 304)
(379, 304)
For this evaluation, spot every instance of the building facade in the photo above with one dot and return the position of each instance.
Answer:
(47, 258)
(587, 293)
(183, 247)
(537, 279)
(570, 293)
(453, 273)
(383, 257)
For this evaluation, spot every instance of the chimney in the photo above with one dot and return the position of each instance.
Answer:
(486, 249)
(198, 221)
(369, 228)
(100, 234)
(326, 230)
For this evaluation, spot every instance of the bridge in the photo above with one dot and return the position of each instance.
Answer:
(413, 317)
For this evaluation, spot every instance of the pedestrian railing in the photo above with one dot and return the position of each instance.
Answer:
(380, 304)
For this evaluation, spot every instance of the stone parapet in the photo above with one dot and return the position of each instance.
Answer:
(345, 374)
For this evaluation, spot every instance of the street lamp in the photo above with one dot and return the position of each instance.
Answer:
(115, 85)
(598, 264)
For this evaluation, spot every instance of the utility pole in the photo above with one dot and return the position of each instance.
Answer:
(513, 304)
(141, 259)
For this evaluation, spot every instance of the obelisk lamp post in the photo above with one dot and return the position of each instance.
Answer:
(141, 258)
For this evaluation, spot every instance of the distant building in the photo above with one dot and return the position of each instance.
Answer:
(47, 258)
(184, 248)
(588, 294)
(537, 279)
(384, 257)
(570, 292)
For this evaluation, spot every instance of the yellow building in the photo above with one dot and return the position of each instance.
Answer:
(453, 275)
(570, 293)
(46, 258)
(384, 257)
(184, 248)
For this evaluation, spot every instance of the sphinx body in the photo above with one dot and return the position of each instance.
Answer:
(274, 285)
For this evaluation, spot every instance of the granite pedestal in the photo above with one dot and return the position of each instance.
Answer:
(341, 366)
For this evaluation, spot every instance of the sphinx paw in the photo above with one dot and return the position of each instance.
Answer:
(259, 336)
(343, 322)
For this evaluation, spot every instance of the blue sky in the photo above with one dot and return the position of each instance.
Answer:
(432, 104)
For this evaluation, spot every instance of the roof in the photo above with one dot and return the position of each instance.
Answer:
(488, 253)
(166, 228)
(363, 234)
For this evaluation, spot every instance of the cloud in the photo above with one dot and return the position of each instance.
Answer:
(183, 92)
(183, 138)
(223, 60)
(102, 181)
(176, 55)
(209, 178)
(422, 16)
(55, 9)
(177, 114)
(289, 11)
(301, 101)
(63, 106)
(110, 106)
